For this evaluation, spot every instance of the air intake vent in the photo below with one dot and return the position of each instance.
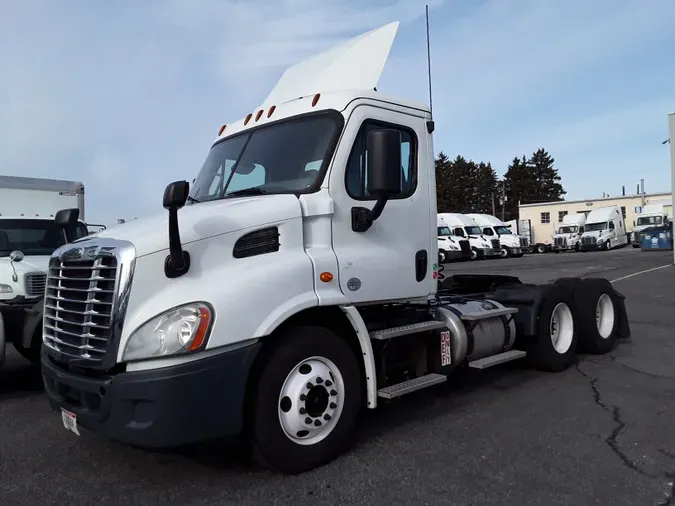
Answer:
(257, 243)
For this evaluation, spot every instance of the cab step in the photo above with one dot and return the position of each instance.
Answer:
(502, 358)
(405, 330)
(412, 385)
(489, 314)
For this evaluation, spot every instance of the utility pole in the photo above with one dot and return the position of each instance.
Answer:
(494, 211)
(642, 191)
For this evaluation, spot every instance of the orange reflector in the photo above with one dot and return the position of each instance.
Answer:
(271, 111)
(326, 277)
(257, 116)
(222, 129)
(315, 100)
(248, 118)
(200, 336)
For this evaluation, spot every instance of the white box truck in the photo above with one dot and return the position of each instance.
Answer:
(492, 227)
(287, 289)
(604, 229)
(451, 248)
(654, 214)
(568, 237)
(463, 226)
(28, 237)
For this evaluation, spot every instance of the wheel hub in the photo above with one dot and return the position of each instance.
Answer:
(311, 400)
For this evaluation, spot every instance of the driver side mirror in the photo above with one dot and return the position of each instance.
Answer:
(176, 194)
(384, 162)
(67, 220)
(16, 256)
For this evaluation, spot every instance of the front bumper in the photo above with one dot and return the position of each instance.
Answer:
(454, 255)
(592, 247)
(161, 408)
(514, 251)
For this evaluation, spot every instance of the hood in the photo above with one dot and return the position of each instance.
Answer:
(204, 220)
(38, 263)
(593, 233)
(356, 64)
(509, 240)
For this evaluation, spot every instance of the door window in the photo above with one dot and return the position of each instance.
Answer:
(459, 231)
(356, 174)
(488, 231)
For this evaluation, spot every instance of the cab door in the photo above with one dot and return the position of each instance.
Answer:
(397, 256)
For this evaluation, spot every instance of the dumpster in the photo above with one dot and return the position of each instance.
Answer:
(656, 238)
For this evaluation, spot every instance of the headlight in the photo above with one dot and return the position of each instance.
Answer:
(180, 330)
(5, 289)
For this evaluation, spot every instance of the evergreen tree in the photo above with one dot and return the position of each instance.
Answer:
(518, 185)
(486, 187)
(443, 183)
(548, 187)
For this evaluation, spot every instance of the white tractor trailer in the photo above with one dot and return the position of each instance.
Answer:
(259, 305)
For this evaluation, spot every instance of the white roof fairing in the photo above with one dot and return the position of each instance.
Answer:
(356, 64)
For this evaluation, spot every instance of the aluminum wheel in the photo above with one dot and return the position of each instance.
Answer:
(504, 253)
(604, 316)
(561, 328)
(311, 401)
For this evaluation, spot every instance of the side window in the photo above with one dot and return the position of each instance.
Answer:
(356, 173)
(611, 225)
(488, 231)
(81, 231)
(581, 229)
(459, 232)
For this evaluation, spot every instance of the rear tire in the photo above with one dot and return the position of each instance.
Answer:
(540, 249)
(598, 316)
(306, 401)
(553, 348)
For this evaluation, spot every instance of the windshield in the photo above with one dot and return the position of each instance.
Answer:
(31, 237)
(502, 230)
(649, 220)
(444, 231)
(568, 230)
(596, 226)
(285, 157)
(472, 230)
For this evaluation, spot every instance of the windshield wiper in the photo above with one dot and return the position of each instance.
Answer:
(255, 190)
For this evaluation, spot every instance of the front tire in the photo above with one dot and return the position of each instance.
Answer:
(504, 253)
(442, 256)
(306, 401)
(474, 253)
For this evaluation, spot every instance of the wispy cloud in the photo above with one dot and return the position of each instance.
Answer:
(127, 96)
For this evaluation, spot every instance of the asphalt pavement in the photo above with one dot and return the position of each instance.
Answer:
(598, 433)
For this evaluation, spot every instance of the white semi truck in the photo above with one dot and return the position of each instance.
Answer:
(568, 237)
(604, 229)
(654, 214)
(451, 247)
(492, 227)
(28, 237)
(260, 305)
(463, 226)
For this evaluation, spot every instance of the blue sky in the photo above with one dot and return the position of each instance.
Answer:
(127, 96)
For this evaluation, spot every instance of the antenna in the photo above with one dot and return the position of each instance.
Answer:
(431, 105)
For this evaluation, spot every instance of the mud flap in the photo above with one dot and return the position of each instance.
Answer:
(31, 321)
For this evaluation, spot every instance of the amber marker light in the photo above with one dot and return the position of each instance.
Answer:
(222, 129)
(326, 277)
(202, 328)
(316, 98)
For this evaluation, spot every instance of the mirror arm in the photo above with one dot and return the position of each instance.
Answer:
(363, 218)
(177, 262)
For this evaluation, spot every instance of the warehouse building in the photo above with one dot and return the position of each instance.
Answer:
(544, 218)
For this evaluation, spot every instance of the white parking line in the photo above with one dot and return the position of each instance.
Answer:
(641, 272)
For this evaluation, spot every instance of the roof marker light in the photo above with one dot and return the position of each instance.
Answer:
(271, 111)
(222, 129)
(315, 100)
(248, 118)
(257, 116)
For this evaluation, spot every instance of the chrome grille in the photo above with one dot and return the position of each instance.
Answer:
(523, 242)
(560, 241)
(35, 284)
(465, 246)
(79, 298)
(589, 240)
(495, 244)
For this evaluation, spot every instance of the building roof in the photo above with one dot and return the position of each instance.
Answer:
(600, 199)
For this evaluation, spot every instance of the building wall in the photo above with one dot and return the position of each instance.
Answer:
(544, 227)
(671, 131)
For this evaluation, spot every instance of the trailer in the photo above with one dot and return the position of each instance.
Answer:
(289, 288)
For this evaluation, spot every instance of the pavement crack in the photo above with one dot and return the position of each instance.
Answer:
(650, 374)
(615, 412)
(669, 500)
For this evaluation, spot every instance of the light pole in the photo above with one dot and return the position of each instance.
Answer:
(671, 135)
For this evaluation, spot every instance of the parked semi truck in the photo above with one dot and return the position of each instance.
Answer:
(654, 214)
(451, 247)
(260, 304)
(28, 237)
(569, 233)
(492, 227)
(463, 226)
(604, 229)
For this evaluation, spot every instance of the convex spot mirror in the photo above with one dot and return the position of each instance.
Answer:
(16, 256)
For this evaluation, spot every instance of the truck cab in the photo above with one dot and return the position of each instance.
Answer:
(604, 229)
(569, 233)
(463, 226)
(451, 247)
(492, 227)
(294, 283)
